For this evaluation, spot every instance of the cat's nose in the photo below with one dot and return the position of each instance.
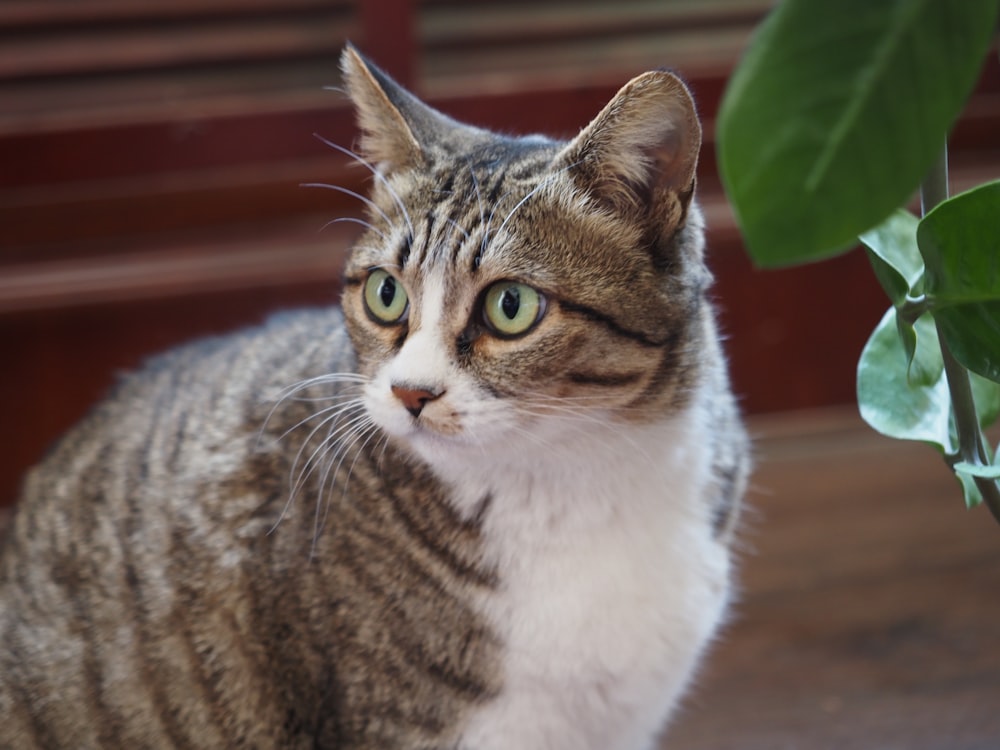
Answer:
(415, 398)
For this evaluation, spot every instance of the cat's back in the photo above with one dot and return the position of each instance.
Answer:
(128, 553)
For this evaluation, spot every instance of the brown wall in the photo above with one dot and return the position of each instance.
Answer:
(132, 227)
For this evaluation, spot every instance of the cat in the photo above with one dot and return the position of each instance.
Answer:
(488, 503)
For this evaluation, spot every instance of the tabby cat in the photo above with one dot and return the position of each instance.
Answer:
(488, 505)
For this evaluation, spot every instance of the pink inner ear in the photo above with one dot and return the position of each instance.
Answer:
(671, 165)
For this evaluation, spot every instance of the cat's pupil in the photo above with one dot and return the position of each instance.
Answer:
(388, 292)
(510, 303)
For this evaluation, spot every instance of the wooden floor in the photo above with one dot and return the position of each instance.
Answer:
(870, 613)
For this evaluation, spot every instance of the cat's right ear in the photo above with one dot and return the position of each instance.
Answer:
(398, 130)
(641, 151)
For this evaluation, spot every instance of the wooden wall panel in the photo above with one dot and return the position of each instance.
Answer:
(127, 229)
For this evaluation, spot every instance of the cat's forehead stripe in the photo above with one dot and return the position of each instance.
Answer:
(465, 225)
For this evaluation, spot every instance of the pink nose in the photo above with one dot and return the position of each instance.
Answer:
(416, 398)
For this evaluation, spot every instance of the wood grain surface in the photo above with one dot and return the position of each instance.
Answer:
(870, 613)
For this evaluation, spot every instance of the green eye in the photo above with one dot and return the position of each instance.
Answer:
(384, 297)
(511, 309)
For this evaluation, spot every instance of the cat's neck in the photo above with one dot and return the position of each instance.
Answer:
(577, 477)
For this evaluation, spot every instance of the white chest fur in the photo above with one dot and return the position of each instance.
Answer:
(612, 585)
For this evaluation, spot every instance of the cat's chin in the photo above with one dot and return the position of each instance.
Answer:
(426, 441)
(444, 450)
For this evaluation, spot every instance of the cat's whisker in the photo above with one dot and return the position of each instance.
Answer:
(455, 225)
(585, 412)
(532, 437)
(380, 462)
(582, 419)
(288, 394)
(327, 446)
(332, 378)
(366, 431)
(329, 414)
(475, 187)
(300, 469)
(372, 205)
(297, 475)
(594, 401)
(541, 183)
(318, 399)
(346, 427)
(489, 222)
(354, 220)
(381, 178)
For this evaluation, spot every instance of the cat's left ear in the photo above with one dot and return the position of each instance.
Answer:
(387, 138)
(641, 151)
(398, 130)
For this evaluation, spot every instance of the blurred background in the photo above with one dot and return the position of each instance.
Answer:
(152, 154)
(151, 157)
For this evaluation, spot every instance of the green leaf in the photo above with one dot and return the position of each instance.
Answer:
(960, 243)
(974, 470)
(973, 334)
(908, 337)
(986, 395)
(890, 401)
(893, 253)
(837, 111)
(892, 281)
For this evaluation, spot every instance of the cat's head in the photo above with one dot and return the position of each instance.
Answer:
(509, 285)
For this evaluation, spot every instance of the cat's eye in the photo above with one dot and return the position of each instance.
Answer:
(385, 297)
(512, 309)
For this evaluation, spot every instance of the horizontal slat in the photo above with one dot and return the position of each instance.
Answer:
(168, 95)
(575, 61)
(77, 223)
(86, 52)
(82, 63)
(495, 45)
(471, 24)
(293, 255)
(20, 15)
(190, 140)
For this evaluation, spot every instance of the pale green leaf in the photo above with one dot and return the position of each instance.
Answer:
(924, 363)
(891, 402)
(975, 470)
(913, 402)
(973, 497)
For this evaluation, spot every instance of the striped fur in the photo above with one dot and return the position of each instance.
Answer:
(256, 542)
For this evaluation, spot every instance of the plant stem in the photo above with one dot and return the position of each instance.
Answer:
(970, 439)
(933, 190)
